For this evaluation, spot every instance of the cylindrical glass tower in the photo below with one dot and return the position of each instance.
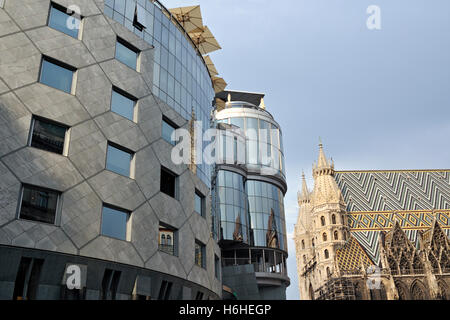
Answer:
(248, 190)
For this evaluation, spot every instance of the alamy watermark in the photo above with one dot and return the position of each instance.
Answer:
(374, 20)
(259, 147)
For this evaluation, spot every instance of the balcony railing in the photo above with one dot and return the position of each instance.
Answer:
(259, 266)
(167, 248)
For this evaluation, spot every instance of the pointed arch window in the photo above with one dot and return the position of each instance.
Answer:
(322, 220)
(336, 235)
(327, 255)
(333, 219)
(303, 244)
(324, 236)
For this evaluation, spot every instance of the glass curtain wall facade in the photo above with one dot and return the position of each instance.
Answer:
(180, 76)
(248, 197)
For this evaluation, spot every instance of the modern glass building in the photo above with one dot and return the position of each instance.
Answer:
(180, 76)
(89, 97)
(248, 191)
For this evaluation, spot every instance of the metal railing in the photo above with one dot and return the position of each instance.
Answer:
(167, 248)
(259, 266)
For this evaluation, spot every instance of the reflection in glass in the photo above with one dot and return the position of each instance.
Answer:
(38, 204)
(114, 223)
(122, 105)
(118, 161)
(56, 76)
(48, 136)
(63, 22)
(126, 55)
(167, 131)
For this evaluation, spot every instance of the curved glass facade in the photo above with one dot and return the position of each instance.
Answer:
(266, 208)
(180, 77)
(264, 143)
(249, 211)
(231, 206)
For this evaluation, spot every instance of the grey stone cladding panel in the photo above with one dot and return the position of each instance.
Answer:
(54, 104)
(20, 60)
(87, 148)
(60, 46)
(28, 13)
(147, 172)
(147, 66)
(186, 239)
(125, 78)
(168, 210)
(166, 263)
(150, 116)
(199, 227)
(9, 195)
(113, 250)
(15, 122)
(94, 90)
(7, 25)
(121, 131)
(43, 168)
(200, 275)
(81, 214)
(43, 236)
(145, 231)
(117, 190)
(3, 87)
(163, 151)
(99, 38)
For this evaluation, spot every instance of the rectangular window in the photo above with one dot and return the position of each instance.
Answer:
(199, 203)
(167, 129)
(56, 74)
(217, 266)
(168, 182)
(200, 254)
(48, 136)
(39, 204)
(118, 160)
(199, 296)
(167, 240)
(164, 290)
(27, 279)
(127, 54)
(110, 283)
(60, 20)
(115, 222)
(123, 104)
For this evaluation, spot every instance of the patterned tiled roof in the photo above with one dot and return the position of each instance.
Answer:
(376, 199)
(352, 256)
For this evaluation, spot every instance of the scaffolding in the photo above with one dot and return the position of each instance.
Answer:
(336, 289)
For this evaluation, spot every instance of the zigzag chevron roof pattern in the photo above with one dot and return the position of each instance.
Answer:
(395, 190)
(376, 199)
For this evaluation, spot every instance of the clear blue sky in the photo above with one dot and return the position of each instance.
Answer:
(379, 99)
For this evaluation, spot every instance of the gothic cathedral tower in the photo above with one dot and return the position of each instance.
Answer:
(321, 228)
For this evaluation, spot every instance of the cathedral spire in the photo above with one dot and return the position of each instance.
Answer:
(304, 196)
(325, 186)
(323, 165)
